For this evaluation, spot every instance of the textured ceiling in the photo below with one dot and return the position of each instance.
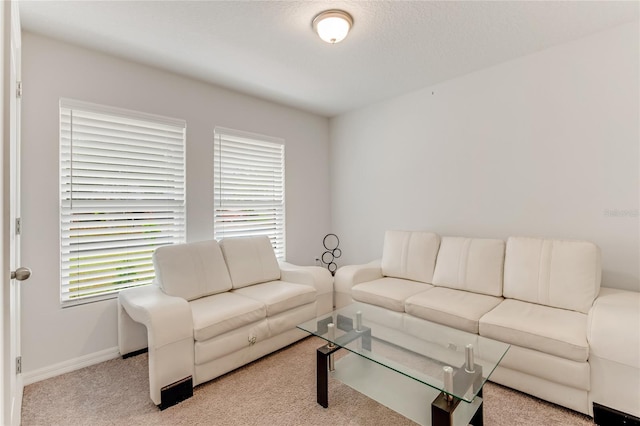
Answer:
(267, 48)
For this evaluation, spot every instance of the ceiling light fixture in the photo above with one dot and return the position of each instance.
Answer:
(333, 25)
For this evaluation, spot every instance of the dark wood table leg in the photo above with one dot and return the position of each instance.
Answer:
(442, 410)
(322, 377)
(322, 373)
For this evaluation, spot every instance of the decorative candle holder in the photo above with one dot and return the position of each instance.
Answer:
(469, 364)
(359, 321)
(331, 334)
(448, 382)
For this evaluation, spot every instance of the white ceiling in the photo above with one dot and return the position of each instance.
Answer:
(267, 48)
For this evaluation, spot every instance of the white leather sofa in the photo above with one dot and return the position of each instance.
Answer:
(572, 342)
(215, 307)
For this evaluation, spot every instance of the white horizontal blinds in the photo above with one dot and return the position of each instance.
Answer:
(249, 187)
(122, 195)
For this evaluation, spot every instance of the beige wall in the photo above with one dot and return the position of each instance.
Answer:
(53, 337)
(545, 145)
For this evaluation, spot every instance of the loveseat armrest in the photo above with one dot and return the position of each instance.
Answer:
(350, 275)
(169, 327)
(167, 318)
(315, 276)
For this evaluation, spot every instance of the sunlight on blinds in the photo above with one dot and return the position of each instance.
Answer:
(122, 195)
(249, 187)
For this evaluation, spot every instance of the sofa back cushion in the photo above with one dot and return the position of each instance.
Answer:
(410, 255)
(471, 264)
(250, 260)
(557, 273)
(191, 270)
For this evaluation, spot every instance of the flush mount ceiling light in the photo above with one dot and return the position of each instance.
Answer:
(333, 25)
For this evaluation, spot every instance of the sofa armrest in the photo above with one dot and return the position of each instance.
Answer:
(315, 276)
(613, 327)
(167, 318)
(613, 333)
(350, 275)
(169, 327)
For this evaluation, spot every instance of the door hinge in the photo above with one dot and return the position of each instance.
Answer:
(18, 365)
(18, 226)
(19, 89)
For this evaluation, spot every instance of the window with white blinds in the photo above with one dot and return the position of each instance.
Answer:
(249, 187)
(122, 195)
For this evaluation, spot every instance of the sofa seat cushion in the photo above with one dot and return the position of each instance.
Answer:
(288, 320)
(279, 296)
(454, 308)
(550, 330)
(220, 313)
(229, 342)
(388, 292)
(548, 367)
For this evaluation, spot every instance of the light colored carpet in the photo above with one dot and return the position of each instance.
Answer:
(278, 389)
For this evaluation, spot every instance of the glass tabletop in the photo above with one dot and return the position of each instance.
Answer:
(444, 358)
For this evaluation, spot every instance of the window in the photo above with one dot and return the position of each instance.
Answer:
(249, 187)
(122, 195)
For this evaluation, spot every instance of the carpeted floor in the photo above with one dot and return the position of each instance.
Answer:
(276, 390)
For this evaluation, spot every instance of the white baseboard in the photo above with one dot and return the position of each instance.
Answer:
(68, 366)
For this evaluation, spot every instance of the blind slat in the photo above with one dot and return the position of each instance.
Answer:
(249, 187)
(122, 195)
(99, 266)
(107, 276)
(105, 252)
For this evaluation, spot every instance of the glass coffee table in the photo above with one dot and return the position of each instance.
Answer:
(405, 363)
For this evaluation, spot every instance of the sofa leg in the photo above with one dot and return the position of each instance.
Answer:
(135, 353)
(608, 416)
(176, 392)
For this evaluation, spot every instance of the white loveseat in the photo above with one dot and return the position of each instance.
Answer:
(572, 343)
(215, 307)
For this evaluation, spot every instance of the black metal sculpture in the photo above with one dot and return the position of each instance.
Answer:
(331, 243)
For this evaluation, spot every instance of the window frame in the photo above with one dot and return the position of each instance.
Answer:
(279, 236)
(137, 206)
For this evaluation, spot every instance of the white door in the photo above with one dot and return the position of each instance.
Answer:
(12, 386)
